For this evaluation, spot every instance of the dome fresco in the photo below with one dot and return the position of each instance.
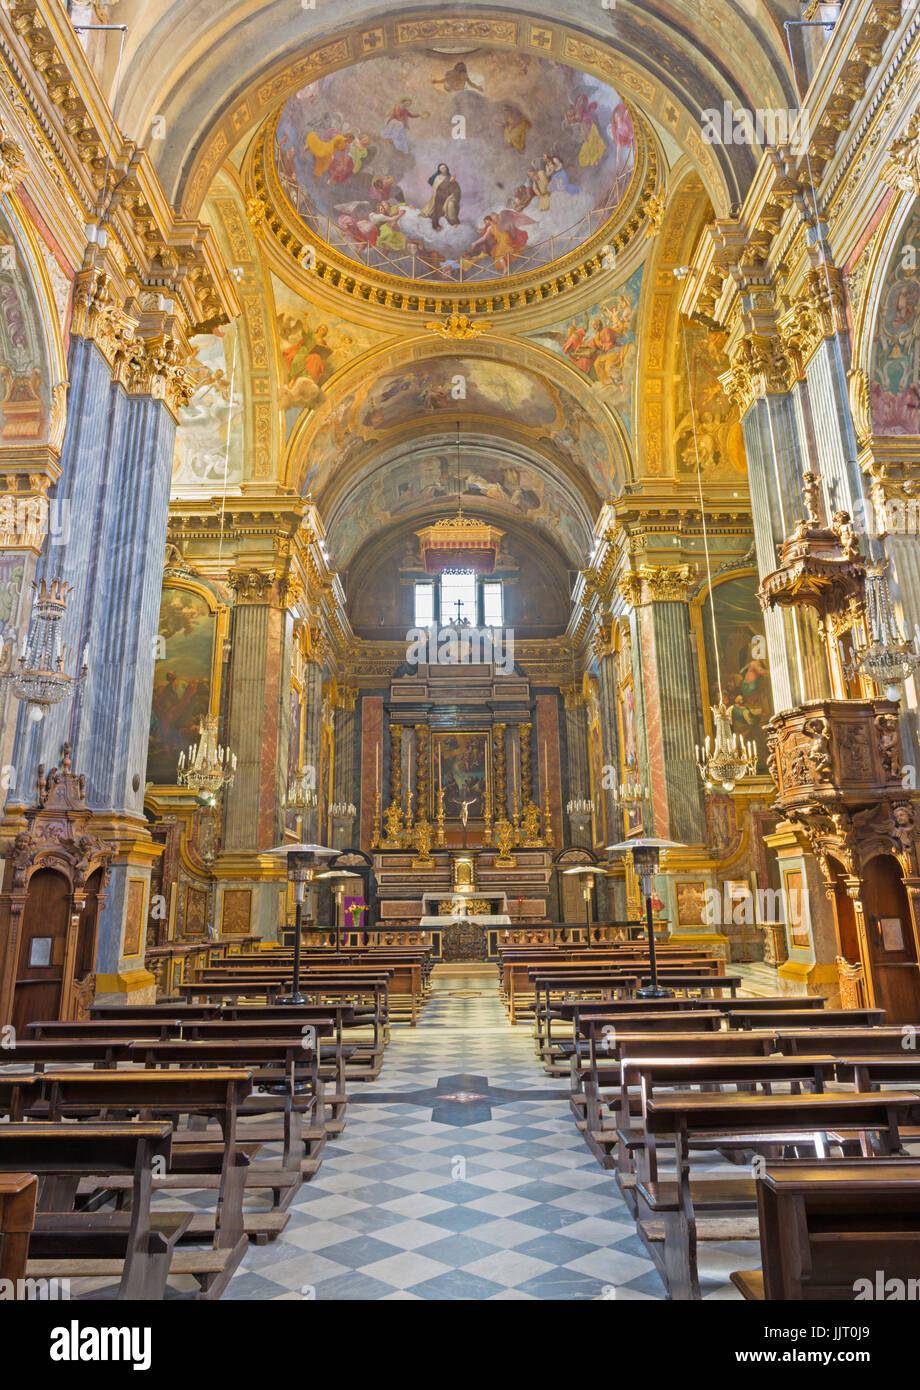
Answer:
(455, 168)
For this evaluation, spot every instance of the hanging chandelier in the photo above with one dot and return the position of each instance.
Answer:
(459, 542)
(301, 795)
(210, 767)
(725, 760)
(37, 677)
(631, 792)
(888, 659)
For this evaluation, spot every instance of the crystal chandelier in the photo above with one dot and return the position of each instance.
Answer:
(578, 806)
(343, 808)
(37, 677)
(301, 795)
(630, 792)
(728, 759)
(210, 766)
(888, 659)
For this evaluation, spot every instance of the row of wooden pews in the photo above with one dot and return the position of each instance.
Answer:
(267, 975)
(726, 1119)
(118, 1114)
(519, 968)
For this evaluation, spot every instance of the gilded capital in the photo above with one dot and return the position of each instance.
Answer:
(669, 583)
(761, 366)
(251, 585)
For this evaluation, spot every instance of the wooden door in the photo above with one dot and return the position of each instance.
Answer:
(85, 959)
(40, 969)
(890, 940)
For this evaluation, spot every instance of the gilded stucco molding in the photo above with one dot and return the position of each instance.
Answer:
(668, 583)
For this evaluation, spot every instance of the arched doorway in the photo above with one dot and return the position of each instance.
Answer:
(40, 968)
(890, 940)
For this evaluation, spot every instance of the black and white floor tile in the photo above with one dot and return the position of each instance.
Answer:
(461, 1175)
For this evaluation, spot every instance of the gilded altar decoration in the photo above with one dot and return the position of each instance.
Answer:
(393, 821)
(422, 835)
(530, 825)
(504, 834)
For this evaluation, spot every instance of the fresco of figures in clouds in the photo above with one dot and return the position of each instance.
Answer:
(209, 438)
(312, 346)
(894, 387)
(499, 489)
(457, 168)
(495, 391)
(601, 343)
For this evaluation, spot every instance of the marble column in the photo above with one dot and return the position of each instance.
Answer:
(680, 722)
(256, 727)
(576, 741)
(116, 466)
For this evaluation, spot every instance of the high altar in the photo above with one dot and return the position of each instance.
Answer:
(463, 847)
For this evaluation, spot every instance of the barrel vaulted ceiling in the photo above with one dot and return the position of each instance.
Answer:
(357, 227)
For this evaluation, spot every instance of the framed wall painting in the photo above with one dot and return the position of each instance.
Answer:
(464, 762)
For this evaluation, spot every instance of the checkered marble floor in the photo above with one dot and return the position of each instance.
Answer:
(461, 1175)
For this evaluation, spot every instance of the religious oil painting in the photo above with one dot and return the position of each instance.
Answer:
(629, 751)
(894, 386)
(181, 680)
(462, 762)
(440, 167)
(743, 661)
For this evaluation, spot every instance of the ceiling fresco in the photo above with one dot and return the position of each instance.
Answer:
(455, 168)
(497, 393)
(600, 343)
(504, 487)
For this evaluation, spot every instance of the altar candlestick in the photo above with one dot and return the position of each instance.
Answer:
(439, 769)
(377, 767)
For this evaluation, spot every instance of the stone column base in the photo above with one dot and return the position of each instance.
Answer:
(126, 987)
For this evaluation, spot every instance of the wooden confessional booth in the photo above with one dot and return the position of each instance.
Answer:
(54, 879)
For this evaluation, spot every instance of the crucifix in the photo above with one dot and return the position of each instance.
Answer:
(459, 603)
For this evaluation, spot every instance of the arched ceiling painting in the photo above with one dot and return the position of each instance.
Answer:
(455, 167)
(429, 394)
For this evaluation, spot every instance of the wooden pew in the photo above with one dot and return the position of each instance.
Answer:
(675, 1214)
(18, 1192)
(644, 1078)
(743, 1017)
(220, 1167)
(136, 1245)
(274, 1061)
(824, 1227)
(601, 1031)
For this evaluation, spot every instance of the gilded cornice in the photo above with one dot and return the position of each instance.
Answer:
(105, 178)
